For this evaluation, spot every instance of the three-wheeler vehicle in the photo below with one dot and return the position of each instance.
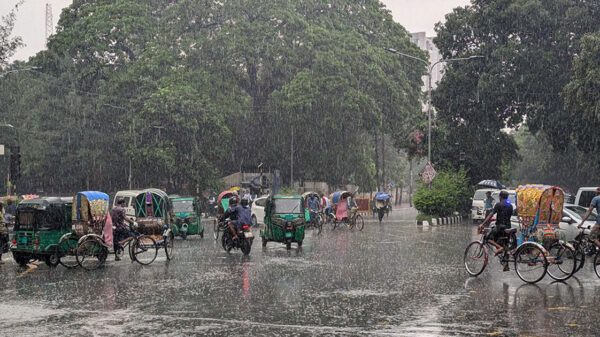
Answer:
(155, 223)
(188, 217)
(537, 250)
(285, 220)
(39, 225)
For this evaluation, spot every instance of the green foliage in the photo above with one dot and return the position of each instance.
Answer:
(528, 48)
(8, 43)
(189, 91)
(450, 192)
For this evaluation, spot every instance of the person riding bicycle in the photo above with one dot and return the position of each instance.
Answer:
(238, 215)
(313, 206)
(595, 233)
(122, 233)
(504, 211)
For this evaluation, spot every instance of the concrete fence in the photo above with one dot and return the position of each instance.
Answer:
(441, 221)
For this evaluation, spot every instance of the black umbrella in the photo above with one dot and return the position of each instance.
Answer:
(491, 184)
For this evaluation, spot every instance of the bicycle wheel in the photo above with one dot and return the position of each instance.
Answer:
(91, 254)
(475, 258)
(561, 261)
(215, 229)
(597, 265)
(319, 224)
(579, 255)
(144, 249)
(333, 224)
(67, 249)
(169, 242)
(360, 222)
(530, 263)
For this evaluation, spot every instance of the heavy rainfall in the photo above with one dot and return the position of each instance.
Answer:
(302, 168)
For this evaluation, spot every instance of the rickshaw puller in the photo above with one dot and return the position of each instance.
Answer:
(504, 211)
(122, 233)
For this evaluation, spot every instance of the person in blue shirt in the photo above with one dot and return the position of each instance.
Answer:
(313, 205)
(595, 233)
(239, 215)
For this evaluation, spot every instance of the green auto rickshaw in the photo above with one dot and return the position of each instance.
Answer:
(284, 220)
(188, 217)
(39, 225)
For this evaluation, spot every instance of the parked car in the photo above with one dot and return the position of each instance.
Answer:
(258, 211)
(572, 215)
(478, 204)
(129, 197)
(584, 196)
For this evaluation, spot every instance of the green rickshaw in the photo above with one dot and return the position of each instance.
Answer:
(284, 220)
(188, 217)
(154, 216)
(39, 225)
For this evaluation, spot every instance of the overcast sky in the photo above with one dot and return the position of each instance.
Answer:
(414, 15)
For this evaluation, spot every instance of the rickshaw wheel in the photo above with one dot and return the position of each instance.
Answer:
(169, 243)
(91, 254)
(360, 222)
(564, 263)
(531, 264)
(68, 251)
(597, 264)
(53, 259)
(215, 229)
(144, 249)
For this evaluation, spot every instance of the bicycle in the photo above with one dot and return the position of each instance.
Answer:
(316, 221)
(529, 258)
(352, 221)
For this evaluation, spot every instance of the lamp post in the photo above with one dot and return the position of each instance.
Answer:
(429, 85)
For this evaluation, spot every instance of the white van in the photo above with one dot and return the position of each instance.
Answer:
(478, 205)
(129, 197)
(584, 196)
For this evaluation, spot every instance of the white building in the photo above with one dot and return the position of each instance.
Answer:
(426, 43)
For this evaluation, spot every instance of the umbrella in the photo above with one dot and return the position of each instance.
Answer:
(336, 196)
(491, 184)
(382, 196)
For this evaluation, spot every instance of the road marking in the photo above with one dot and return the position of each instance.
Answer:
(495, 333)
(572, 325)
(32, 267)
(558, 308)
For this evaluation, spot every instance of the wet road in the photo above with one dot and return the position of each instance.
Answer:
(390, 279)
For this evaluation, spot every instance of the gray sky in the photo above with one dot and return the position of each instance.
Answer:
(414, 15)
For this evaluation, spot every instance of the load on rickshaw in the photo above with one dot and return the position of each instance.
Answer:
(314, 219)
(345, 209)
(284, 220)
(538, 249)
(39, 225)
(188, 217)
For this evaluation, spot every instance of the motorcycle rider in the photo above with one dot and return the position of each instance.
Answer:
(238, 214)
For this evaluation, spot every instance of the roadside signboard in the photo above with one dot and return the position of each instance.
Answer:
(427, 174)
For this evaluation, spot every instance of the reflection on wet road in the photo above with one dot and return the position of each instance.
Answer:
(390, 279)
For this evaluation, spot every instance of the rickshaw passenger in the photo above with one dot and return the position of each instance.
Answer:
(238, 214)
(595, 233)
(122, 233)
(504, 211)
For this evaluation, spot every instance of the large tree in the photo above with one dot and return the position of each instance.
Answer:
(528, 47)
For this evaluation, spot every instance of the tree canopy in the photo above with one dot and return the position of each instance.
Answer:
(192, 90)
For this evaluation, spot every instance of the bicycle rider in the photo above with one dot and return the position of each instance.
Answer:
(504, 210)
(595, 233)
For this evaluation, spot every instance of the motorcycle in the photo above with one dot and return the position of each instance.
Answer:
(244, 240)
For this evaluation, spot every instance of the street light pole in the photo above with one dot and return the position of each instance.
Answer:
(429, 86)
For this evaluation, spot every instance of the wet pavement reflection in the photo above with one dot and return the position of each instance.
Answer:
(390, 279)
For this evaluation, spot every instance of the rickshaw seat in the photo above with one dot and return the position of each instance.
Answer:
(510, 230)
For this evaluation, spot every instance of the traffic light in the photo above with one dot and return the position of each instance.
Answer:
(15, 163)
